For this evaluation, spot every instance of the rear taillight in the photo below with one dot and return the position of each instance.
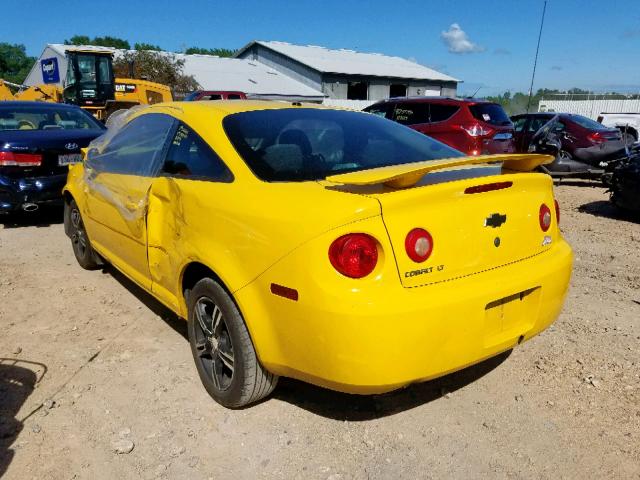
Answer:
(418, 244)
(476, 130)
(557, 205)
(354, 255)
(10, 159)
(545, 217)
(596, 137)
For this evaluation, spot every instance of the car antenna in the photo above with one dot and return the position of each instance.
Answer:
(474, 93)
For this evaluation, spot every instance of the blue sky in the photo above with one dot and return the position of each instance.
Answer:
(491, 43)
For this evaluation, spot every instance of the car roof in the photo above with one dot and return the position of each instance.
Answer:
(24, 103)
(422, 99)
(228, 107)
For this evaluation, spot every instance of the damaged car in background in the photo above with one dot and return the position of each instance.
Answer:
(330, 246)
(583, 147)
(38, 142)
(623, 181)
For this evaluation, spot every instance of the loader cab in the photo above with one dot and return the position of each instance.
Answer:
(90, 80)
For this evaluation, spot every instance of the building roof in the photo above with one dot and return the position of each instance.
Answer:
(254, 78)
(218, 73)
(350, 62)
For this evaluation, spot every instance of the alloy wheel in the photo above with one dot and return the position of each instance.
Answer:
(213, 343)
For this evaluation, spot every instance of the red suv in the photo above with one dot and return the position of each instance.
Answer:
(474, 127)
(214, 95)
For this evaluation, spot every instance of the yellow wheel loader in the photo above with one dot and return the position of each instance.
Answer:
(90, 84)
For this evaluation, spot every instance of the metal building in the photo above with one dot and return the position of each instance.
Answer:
(212, 73)
(350, 75)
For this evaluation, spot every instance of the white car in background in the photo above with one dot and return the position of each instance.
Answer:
(627, 123)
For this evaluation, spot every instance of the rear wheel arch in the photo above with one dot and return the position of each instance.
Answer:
(630, 130)
(192, 273)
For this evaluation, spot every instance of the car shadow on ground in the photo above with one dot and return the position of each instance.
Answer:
(43, 217)
(17, 382)
(328, 403)
(169, 317)
(356, 408)
(606, 209)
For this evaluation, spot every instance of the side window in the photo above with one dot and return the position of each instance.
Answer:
(190, 156)
(439, 112)
(411, 113)
(536, 123)
(559, 127)
(379, 110)
(518, 123)
(137, 148)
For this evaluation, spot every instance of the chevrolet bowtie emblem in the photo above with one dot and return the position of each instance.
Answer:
(495, 220)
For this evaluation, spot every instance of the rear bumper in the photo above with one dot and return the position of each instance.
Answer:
(598, 153)
(362, 342)
(15, 193)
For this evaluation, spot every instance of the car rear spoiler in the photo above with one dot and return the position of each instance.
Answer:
(407, 175)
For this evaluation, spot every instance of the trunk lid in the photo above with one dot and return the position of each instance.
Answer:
(49, 143)
(472, 232)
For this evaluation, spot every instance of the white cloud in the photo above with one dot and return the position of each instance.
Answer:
(457, 40)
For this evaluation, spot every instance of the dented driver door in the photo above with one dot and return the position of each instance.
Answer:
(117, 183)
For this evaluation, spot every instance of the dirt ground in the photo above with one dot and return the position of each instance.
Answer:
(89, 363)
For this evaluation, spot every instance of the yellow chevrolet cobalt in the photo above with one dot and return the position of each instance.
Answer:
(335, 247)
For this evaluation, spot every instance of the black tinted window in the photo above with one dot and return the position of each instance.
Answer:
(490, 113)
(411, 113)
(190, 156)
(439, 112)
(311, 144)
(136, 149)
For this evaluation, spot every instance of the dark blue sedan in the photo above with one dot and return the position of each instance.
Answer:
(38, 141)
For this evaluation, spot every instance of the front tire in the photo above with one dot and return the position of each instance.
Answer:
(222, 348)
(84, 253)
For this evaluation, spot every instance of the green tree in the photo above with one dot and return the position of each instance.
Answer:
(157, 67)
(220, 52)
(15, 64)
(147, 46)
(106, 41)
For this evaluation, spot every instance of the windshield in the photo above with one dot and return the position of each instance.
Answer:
(299, 144)
(491, 113)
(46, 118)
(587, 123)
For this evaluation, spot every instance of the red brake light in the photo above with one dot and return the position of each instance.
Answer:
(596, 137)
(354, 255)
(419, 245)
(545, 217)
(557, 205)
(476, 130)
(10, 159)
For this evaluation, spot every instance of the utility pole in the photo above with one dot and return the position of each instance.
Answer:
(535, 62)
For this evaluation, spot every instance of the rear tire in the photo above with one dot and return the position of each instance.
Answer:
(222, 348)
(84, 253)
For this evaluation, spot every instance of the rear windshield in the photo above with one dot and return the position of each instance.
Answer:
(587, 122)
(47, 118)
(490, 113)
(310, 144)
